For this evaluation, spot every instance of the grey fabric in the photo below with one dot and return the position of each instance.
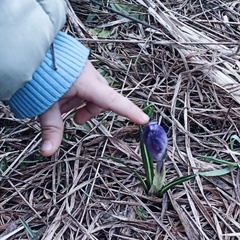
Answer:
(27, 29)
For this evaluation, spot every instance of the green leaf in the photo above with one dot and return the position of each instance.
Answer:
(105, 74)
(180, 180)
(147, 161)
(86, 127)
(132, 170)
(3, 164)
(28, 229)
(90, 17)
(234, 138)
(216, 160)
(141, 212)
(149, 110)
(120, 7)
(104, 34)
(217, 172)
(176, 181)
(129, 10)
(101, 33)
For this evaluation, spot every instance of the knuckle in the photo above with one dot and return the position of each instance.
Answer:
(49, 129)
(113, 97)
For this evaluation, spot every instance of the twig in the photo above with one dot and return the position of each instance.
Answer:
(124, 15)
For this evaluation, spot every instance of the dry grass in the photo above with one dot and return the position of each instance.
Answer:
(189, 70)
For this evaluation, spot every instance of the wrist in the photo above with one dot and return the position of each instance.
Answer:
(48, 85)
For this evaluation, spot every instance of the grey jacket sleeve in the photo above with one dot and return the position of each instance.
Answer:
(27, 29)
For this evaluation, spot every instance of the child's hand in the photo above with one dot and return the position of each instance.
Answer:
(92, 88)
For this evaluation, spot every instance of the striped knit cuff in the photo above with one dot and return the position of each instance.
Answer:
(47, 85)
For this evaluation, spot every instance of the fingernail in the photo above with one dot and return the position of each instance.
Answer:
(46, 146)
(145, 117)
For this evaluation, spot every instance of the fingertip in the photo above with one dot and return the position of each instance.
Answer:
(47, 148)
(134, 113)
(52, 130)
(144, 118)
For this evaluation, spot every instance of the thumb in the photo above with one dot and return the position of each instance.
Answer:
(52, 130)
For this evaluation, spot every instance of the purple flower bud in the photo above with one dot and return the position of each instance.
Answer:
(155, 139)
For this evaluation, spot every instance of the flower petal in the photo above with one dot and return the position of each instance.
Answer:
(155, 139)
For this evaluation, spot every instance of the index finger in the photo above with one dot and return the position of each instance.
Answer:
(107, 98)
